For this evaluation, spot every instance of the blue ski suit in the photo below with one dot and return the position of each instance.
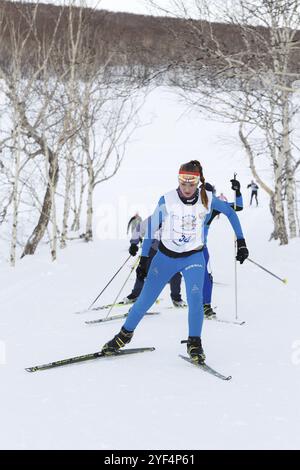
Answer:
(167, 263)
(175, 281)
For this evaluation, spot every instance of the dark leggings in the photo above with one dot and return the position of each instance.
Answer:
(254, 194)
(175, 282)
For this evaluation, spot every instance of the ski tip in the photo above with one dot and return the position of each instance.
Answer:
(184, 357)
(30, 369)
(143, 349)
(285, 281)
(206, 368)
(151, 348)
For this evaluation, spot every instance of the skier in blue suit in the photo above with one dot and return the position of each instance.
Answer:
(175, 281)
(181, 215)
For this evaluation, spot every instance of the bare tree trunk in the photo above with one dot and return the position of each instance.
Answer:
(39, 230)
(289, 175)
(77, 208)
(89, 212)
(53, 242)
(88, 236)
(290, 195)
(279, 207)
(90, 189)
(250, 155)
(276, 204)
(67, 196)
(274, 235)
(75, 36)
(15, 196)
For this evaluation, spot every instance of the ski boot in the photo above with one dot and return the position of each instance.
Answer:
(195, 350)
(118, 342)
(130, 299)
(208, 311)
(179, 303)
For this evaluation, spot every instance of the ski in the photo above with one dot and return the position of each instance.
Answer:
(207, 369)
(103, 307)
(221, 320)
(170, 307)
(115, 317)
(85, 357)
(213, 318)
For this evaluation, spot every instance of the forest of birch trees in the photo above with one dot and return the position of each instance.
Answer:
(72, 82)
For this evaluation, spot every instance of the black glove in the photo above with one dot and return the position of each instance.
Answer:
(242, 250)
(236, 186)
(133, 249)
(142, 269)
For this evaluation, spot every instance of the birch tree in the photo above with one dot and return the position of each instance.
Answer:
(32, 91)
(70, 118)
(110, 116)
(74, 52)
(248, 80)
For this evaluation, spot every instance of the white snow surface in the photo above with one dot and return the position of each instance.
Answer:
(155, 400)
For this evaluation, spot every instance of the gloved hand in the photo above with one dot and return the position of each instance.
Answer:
(242, 250)
(142, 269)
(133, 249)
(236, 186)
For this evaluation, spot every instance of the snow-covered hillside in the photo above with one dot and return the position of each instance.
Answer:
(155, 400)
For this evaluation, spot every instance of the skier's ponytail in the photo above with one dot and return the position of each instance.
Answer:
(194, 167)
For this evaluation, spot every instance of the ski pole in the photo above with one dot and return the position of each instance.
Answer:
(272, 274)
(126, 280)
(109, 282)
(235, 262)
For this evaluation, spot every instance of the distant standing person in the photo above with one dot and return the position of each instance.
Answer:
(133, 223)
(254, 189)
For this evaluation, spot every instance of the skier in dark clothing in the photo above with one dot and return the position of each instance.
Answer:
(237, 205)
(254, 189)
(175, 281)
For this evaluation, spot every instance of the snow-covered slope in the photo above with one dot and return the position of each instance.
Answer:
(154, 400)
